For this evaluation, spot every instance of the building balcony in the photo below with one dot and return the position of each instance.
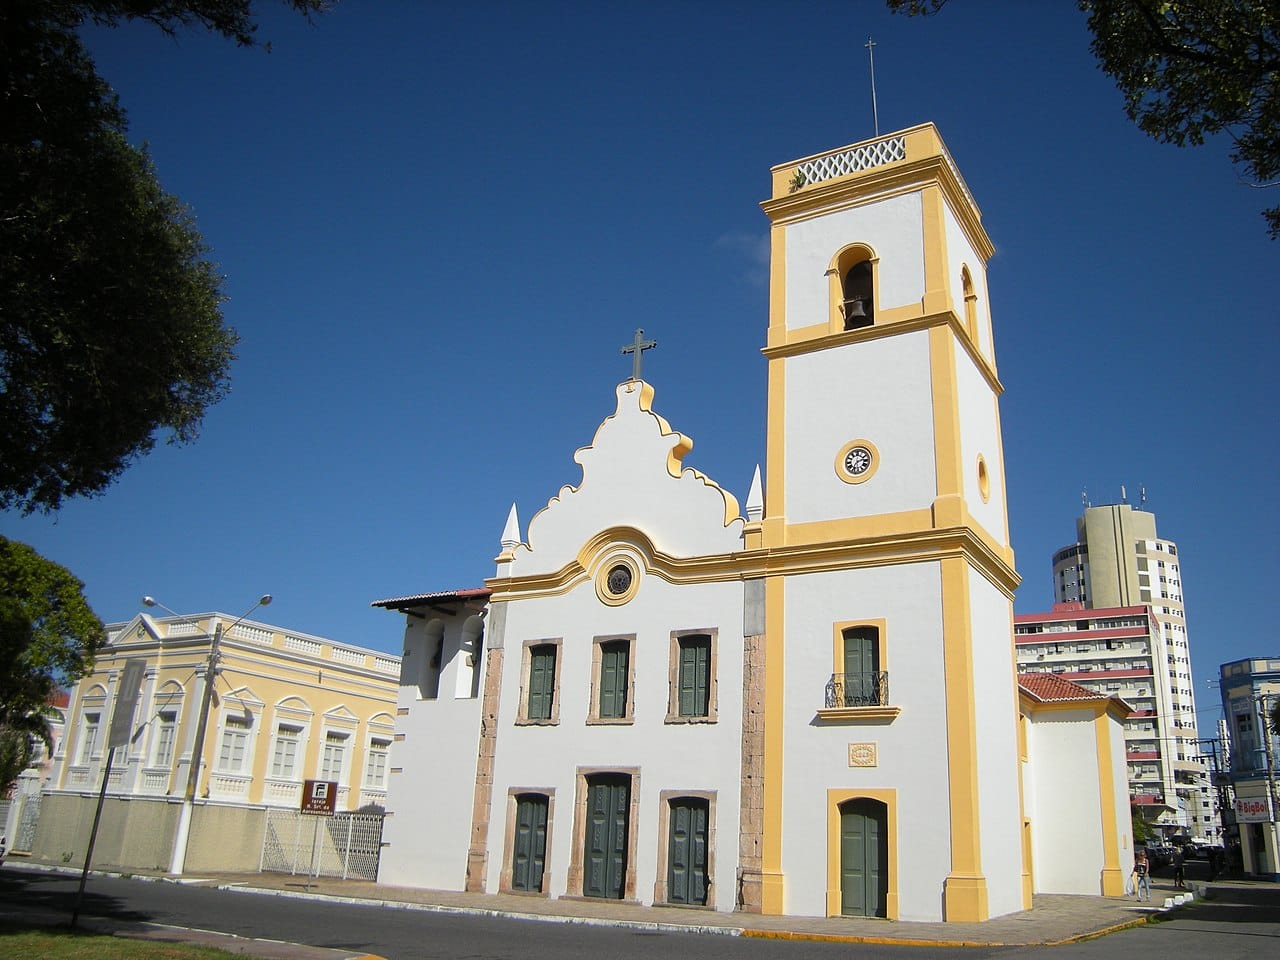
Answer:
(858, 696)
(1142, 755)
(1146, 800)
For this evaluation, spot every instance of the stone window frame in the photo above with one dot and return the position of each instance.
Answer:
(597, 662)
(664, 829)
(509, 841)
(526, 663)
(673, 677)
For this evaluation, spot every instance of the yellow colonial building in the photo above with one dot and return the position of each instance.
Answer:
(285, 707)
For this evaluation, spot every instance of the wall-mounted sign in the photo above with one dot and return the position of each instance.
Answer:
(1252, 810)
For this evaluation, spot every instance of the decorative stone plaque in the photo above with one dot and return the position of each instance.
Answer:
(862, 755)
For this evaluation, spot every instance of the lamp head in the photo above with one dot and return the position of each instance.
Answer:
(149, 601)
(264, 600)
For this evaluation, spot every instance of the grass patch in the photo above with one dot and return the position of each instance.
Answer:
(23, 944)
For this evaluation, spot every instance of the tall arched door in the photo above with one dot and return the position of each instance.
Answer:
(864, 858)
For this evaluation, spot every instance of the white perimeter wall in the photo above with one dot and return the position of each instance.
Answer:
(911, 748)
(682, 756)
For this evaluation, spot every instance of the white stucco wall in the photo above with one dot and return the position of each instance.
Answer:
(430, 801)
(669, 756)
(911, 748)
(980, 435)
(892, 227)
(995, 715)
(878, 390)
(1063, 802)
(626, 483)
(960, 253)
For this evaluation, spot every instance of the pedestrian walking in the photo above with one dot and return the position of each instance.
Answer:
(1142, 873)
(1179, 869)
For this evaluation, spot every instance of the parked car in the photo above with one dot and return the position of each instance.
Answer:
(1160, 854)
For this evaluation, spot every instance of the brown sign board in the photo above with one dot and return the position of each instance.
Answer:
(319, 797)
(121, 729)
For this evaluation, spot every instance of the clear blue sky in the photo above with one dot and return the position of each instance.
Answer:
(440, 222)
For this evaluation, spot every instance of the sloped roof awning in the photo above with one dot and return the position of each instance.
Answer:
(439, 600)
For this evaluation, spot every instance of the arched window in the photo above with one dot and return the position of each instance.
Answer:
(970, 304)
(432, 660)
(853, 287)
(467, 683)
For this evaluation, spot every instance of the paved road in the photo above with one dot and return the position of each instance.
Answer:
(1223, 931)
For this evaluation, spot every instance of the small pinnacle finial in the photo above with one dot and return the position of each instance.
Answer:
(755, 498)
(511, 532)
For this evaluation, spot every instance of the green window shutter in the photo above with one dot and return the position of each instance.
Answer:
(613, 679)
(695, 675)
(542, 681)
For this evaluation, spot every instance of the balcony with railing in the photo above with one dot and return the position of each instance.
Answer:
(858, 696)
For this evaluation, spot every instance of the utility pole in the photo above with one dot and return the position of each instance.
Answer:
(182, 834)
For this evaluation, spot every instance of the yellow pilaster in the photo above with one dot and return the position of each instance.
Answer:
(772, 887)
(965, 889)
(1112, 875)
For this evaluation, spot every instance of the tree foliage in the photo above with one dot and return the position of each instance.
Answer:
(48, 638)
(111, 329)
(1190, 69)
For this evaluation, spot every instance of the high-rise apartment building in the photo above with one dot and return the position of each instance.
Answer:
(1119, 562)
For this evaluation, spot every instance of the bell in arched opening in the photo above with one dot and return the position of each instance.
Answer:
(858, 307)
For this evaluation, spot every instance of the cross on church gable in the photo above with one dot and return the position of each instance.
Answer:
(636, 348)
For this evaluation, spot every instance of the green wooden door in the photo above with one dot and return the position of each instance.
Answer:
(687, 851)
(530, 842)
(861, 666)
(864, 861)
(605, 856)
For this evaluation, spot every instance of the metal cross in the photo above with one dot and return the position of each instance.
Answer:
(635, 348)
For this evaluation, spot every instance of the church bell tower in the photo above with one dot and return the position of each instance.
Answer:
(889, 683)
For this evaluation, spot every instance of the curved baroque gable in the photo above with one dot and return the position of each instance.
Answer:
(632, 475)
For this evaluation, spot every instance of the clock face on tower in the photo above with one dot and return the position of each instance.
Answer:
(857, 461)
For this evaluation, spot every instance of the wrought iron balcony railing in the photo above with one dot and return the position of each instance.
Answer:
(858, 689)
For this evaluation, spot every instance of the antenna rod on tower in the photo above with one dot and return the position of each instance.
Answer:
(871, 55)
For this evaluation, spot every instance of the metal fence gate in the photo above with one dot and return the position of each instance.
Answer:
(344, 845)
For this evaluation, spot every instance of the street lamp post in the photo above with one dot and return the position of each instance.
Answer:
(178, 861)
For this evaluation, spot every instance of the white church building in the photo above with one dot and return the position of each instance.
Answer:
(806, 704)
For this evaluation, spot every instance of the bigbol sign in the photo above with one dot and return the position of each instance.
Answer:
(1252, 810)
